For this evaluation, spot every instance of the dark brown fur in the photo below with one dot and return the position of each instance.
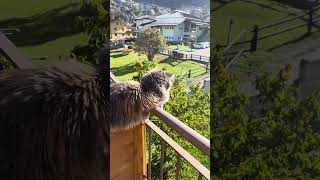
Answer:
(52, 123)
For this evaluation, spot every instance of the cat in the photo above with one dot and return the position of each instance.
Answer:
(55, 121)
(131, 102)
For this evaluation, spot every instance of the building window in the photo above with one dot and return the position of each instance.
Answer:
(115, 29)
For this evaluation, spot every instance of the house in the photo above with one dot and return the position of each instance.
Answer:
(120, 31)
(176, 27)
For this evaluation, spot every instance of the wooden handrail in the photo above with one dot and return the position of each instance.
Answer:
(197, 165)
(185, 131)
(13, 54)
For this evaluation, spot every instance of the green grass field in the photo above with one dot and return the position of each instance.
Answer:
(47, 27)
(246, 14)
(182, 48)
(122, 65)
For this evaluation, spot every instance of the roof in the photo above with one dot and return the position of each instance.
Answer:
(174, 18)
(143, 17)
(190, 16)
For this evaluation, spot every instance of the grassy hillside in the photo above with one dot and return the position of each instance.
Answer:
(17, 8)
(247, 13)
(47, 27)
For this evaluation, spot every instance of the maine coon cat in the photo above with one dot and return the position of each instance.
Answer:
(55, 121)
(131, 102)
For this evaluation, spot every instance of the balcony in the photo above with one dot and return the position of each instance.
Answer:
(129, 149)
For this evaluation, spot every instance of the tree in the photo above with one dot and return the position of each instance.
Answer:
(150, 42)
(270, 136)
(95, 22)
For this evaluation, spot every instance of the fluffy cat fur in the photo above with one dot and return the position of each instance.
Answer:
(54, 120)
(131, 102)
(54, 123)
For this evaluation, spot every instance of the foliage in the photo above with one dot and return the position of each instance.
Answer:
(5, 64)
(150, 42)
(269, 137)
(142, 68)
(127, 11)
(95, 22)
(192, 108)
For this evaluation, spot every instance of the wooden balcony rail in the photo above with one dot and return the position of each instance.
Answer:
(185, 131)
(11, 52)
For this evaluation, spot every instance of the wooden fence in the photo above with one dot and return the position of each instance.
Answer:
(258, 31)
(202, 59)
(194, 57)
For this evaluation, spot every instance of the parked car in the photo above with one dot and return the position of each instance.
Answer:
(207, 44)
(200, 45)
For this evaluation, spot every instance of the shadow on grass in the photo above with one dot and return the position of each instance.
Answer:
(123, 70)
(222, 4)
(296, 40)
(118, 55)
(173, 62)
(41, 28)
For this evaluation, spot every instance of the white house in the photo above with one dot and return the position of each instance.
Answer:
(176, 27)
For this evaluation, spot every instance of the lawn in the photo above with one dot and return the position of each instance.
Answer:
(48, 28)
(247, 13)
(122, 65)
(182, 48)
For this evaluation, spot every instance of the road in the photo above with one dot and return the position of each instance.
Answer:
(201, 52)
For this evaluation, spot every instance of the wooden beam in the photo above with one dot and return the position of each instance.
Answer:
(188, 157)
(12, 53)
(185, 131)
(139, 140)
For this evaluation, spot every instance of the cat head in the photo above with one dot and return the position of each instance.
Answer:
(158, 83)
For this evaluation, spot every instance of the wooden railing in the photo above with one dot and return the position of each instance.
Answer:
(189, 134)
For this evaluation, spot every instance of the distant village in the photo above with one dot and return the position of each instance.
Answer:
(176, 26)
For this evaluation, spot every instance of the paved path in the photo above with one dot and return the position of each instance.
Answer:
(198, 80)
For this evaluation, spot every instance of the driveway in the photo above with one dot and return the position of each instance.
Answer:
(200, 52)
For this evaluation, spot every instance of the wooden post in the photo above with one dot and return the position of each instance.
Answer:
(254, 41)
(128, 154)
(139, 135)
(310, 21)
(189, 75)
(229, 31)
(207, 68)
